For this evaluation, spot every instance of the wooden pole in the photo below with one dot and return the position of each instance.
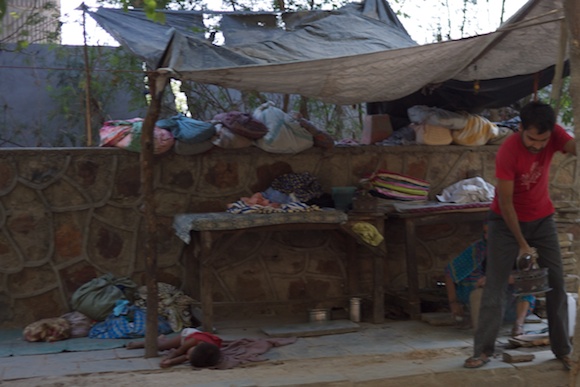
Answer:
(559, 69)
(572, 17)
(157, 84)
(88, 119)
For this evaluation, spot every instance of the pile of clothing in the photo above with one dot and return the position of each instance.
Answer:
(391, 185)
(291, 192)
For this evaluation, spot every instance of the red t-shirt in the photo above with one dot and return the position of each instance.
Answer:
(207, 337)
(530, 174)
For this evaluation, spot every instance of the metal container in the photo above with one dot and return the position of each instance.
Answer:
(533, 281)
(316, 315)
(355, 309)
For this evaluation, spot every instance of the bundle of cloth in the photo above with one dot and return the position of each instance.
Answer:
(290, 192)
(391, 185)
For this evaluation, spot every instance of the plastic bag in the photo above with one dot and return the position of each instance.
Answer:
(79, 324)
(421, 114)
(96, 299)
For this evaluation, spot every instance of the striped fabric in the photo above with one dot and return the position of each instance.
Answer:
(391, 185)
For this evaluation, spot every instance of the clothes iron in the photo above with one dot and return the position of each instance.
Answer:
(529, 278)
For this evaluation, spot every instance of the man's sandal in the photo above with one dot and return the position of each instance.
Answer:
(566, 360)
(517, 330)
(476, 362)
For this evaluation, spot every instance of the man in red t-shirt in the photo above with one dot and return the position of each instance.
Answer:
(521, 222)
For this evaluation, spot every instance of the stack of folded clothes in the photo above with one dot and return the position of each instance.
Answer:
(390, 185)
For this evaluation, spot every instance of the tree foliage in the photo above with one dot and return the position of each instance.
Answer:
(39, 23)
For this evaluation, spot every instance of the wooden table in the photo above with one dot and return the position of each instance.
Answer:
(411, 221)
(213, 243)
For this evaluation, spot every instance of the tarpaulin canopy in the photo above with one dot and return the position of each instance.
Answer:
(358, 53)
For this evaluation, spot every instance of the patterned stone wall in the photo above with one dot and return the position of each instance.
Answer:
(69, 215)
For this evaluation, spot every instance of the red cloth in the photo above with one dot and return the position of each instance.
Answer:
(206, 337)
(530, 174)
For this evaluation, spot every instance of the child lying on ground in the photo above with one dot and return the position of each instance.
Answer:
(201, 349)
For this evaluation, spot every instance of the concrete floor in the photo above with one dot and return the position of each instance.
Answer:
(393, 353)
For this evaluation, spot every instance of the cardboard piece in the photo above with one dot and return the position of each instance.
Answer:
(530, 340)
(376, 127)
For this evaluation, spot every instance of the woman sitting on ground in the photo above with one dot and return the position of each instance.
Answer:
(464, 280)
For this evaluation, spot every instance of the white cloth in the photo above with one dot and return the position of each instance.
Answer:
(470, 190)
(186, 332)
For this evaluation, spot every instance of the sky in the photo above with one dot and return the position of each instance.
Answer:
(424, 17)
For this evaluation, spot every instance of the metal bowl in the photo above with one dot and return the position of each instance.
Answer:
(316, 315)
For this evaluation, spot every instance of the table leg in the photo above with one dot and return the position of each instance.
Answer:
(379, 278)
(352, 272)
(205, 281)
(414, 301)
(378, 290)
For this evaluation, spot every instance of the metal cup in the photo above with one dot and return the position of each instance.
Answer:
(355, 309)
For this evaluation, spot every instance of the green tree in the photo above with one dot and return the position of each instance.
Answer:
(69, 90)
(37, 24)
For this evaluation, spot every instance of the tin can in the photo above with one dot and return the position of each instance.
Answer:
(355, 309)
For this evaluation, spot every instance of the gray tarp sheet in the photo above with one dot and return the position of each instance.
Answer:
(359, 53)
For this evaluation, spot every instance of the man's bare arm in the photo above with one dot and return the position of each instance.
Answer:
(570, 147)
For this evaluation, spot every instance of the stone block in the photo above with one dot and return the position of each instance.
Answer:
(517, 356)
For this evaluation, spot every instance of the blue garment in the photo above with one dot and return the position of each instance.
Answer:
(276, 196)
(468, 267)
(129, 323)
(187, 129)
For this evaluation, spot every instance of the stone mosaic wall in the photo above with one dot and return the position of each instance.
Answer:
(70, 215)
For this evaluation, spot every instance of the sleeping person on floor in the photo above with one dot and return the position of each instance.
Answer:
(464, 280)
(200, 349)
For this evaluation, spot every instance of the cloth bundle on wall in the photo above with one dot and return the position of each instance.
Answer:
(191, 136)
(435, 126)
(285, 134)
(187, 129)
(321, 138)
(126, 134)
(242, 124)
(391, 185)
